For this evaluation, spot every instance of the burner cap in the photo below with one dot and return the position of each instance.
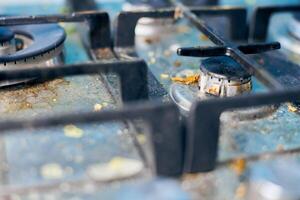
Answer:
(45, 39)
(6, 35)
(224, 67)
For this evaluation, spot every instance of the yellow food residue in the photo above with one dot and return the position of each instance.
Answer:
(73, 131)
(187, 80)
(238, 166)
(164, 76)
(97, 107)
(292, 108)
(52, 171)
(116, 168)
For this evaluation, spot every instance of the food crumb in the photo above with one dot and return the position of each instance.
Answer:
(98, 107)
(73, 131)
(187, 80)
(152, 61)
(238, 166)
(116, 168)
(52, 171)
(292, 108)
(164, 76)
(177, 63)
(203, 37)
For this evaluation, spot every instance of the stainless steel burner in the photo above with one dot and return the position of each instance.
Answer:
(222, 76)
(219, 77)
(148, 27)
(30, 45)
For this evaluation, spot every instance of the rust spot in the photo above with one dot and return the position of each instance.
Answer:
(24, 97)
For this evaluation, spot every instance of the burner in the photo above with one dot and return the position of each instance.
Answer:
(222, 76)
(149, 28)
(219, 77)
(27, 45)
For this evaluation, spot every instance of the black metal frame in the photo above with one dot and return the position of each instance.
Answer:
(132, 74)
(261, 19)
(127, 21)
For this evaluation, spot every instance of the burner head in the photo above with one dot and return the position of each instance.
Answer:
(37, 45)
(222, 76)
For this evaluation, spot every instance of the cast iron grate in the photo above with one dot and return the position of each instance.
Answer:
(201, 132)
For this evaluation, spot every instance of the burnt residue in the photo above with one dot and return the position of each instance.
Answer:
(30, 95)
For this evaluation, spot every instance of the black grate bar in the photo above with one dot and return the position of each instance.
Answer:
(222, 51)
(203, 128)
(82, 5)
(132, 74)
(232, 51)
(127, 21)
(99, 25)
(261, 20)
(163, 120)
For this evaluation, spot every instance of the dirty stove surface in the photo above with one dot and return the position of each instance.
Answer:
(72, 156)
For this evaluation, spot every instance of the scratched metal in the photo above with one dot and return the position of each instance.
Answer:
(24, 155)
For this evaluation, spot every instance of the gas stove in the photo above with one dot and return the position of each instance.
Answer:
(149, 99)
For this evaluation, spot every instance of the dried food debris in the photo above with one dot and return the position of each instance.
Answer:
(164, 76)
(73, 131)
(98, 107)
(239, 166)
(188, 80)
(177, 63)
(117, 168)
(203, 37)
(52, 171)
(292, 108)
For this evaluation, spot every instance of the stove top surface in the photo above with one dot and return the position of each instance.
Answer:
(113, 159)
